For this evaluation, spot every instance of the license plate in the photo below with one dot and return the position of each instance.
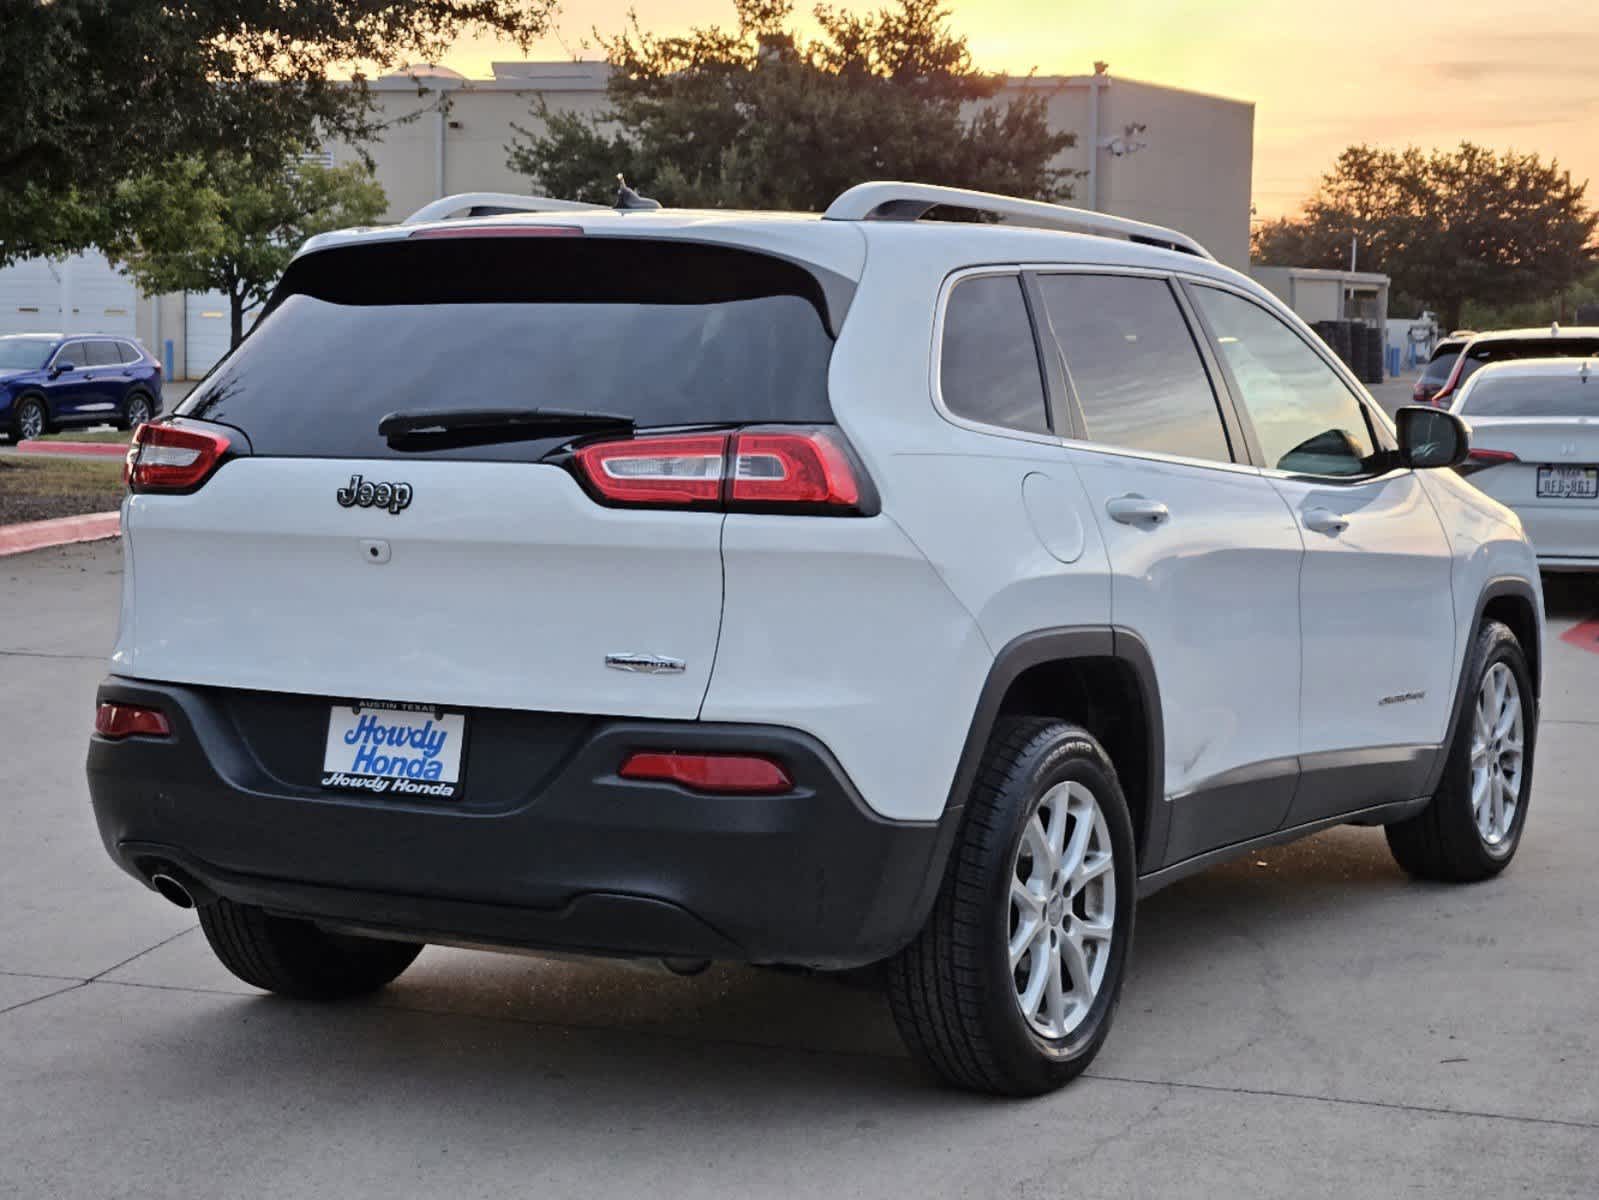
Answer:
(1568, 483)
(394, 750)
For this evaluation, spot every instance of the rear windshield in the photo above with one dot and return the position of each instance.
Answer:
(667, 333)
(1438, 368)
(1535, 396)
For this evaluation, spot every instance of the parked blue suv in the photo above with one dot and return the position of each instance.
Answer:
(48, 382)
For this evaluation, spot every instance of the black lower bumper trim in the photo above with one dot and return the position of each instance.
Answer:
(566, 856)
(596, 922)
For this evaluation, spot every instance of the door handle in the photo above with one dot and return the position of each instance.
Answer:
(1324, 520)
(1136, 510)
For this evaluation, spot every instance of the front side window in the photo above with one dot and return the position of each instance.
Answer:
(24, 353)
(76, 353)
(989, 371)
(1134, 366)
(1306, 420)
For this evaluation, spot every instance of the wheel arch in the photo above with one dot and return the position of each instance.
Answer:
(1100, 677)
(1513, 601)
(34, 393)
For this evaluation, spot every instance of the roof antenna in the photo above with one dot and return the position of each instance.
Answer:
(627, 200)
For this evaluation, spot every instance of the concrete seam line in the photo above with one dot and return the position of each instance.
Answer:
(58, 531)
(71, 987)
(93, 449)
(1275, 1094)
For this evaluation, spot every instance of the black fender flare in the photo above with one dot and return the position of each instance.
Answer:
(1494, 589)
(1063, 644)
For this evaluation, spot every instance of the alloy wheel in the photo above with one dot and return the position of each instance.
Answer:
(1062, 910)
(1497, 761)
(30, 422)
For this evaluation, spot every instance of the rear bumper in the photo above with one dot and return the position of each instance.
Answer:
(567, 857)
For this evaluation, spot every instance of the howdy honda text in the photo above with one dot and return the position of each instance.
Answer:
(366, 494)
(405, 750)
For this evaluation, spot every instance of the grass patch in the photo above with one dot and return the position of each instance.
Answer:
(37, 489)
(90, 435)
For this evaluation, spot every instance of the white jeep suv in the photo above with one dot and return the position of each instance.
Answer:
(793, 590)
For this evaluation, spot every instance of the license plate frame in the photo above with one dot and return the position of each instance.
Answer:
(1559, 481)
(392, 749)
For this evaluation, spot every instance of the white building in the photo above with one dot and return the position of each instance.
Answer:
(1154, 153)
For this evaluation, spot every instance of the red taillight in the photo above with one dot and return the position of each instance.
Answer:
(116, 721)
(1492, 458)
(728, 774)
(763, 470)
(499, 231)
(171, 458)
(657, 470)
(792, 468)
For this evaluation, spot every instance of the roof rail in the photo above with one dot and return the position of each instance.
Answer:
(888, 201)
(492, 204)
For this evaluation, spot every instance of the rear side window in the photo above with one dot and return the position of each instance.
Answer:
(988, 367)
(126, 352)
(103, 354)
(1574, 395)
(667, 333)
(1437, 370)
(1134, 366)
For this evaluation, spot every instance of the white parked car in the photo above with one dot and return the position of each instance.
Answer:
(793, 589)
(1536, 434)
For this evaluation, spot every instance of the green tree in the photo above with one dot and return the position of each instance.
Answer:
(755, 117)
(98, 91)
(1450, 227)
(231, 223)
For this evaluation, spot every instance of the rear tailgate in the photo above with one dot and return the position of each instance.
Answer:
(499, 581)
(1553, 482)
(501, 585)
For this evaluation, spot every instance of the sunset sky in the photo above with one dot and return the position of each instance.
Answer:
(1320, 75)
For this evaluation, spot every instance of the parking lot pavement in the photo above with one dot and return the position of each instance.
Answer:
(1304, 1022)
(1393, 393)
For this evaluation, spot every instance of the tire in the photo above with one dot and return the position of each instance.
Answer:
(1449, 840)
(136, 410)
(955, 997)
(295, 958)
(29, 419)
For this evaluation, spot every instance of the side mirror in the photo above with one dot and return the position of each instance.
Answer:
(1431, 437)
(61, 368)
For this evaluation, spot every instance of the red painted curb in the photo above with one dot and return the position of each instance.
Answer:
(1584, 636)
(39, 535)
(102, 449)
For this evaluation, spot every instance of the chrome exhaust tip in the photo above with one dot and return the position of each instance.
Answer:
(172, 889)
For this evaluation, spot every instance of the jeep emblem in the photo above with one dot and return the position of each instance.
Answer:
(366, 494)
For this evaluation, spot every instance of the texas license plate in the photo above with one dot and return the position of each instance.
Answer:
(1568, 483)
(394, 750)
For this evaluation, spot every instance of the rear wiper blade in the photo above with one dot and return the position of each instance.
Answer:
(451, 428)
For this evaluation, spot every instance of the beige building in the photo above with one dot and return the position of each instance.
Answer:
(1153, 153)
